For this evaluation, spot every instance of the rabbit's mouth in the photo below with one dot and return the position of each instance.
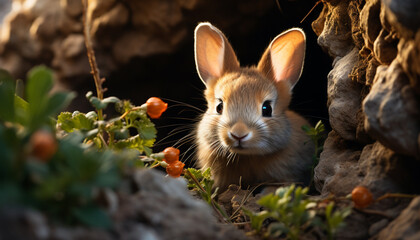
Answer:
(241, 148)
(238, 147)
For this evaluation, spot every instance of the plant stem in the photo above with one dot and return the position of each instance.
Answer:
(214, 204)
(395, 195)
(91, 55)
(128, 111)
(316, 4)
(187, 172)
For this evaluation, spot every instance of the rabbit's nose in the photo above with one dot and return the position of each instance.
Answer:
(239, 138)
(240, 132)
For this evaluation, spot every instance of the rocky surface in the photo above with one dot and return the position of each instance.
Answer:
(374, 108)
(160, 208)
(406, 225)
(50, 32)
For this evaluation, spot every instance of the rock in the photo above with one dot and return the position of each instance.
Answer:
(44, 27)
(378, 226)
(404, 12)
(21, 223)
(385, 47)
(344, 96)
(405, 226)
(409, 57)
(373, 103)
(384, 171)
(20, 38)
(122, 32)
(73, 46)
(392, 112)
(165, 210)
(73, 8)
(356, 228)
(370, 22)
(160, 208)
(109, 22)
(344, 166)
(69, 56)
(337, 171)
(5, 7)
(335, 36)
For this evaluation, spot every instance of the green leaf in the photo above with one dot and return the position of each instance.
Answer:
(65, 121)
(148, 132)
(269, 201)
(102, 104)
(21, 111)
(39, 84)
(147, 150)
(257, 219)
(41, 105)
(93, 216)
(111, 99)
(276, 229)
(10, 148)
(76, 121)
(7, 92)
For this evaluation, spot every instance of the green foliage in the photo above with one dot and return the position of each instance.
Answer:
(335, 219)
(289, 207)
(42, 105)
(101, 104)
(7, 96)
(292, 212)
(205, 183)
(118, 130)
(92, 154)
(200, 181)
(317, 136)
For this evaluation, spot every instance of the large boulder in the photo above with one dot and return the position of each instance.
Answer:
(374, 105)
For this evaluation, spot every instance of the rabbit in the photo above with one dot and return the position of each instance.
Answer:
(248, 135)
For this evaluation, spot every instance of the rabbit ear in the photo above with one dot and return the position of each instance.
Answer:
(214, 55)
(283, 59)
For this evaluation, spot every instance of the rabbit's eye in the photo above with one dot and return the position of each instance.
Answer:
(266, 109)
(219, 107)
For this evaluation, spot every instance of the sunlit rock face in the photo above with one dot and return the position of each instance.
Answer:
(50, 31)
(374, 102)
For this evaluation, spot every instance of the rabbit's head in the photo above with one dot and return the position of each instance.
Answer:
(246, 106)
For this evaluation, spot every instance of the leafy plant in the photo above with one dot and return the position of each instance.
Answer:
(133, 129)
(200, 181)
(334, 219)
(64, 177)
(289, 207)
(40, 105)
(289, 212)
(204, 181)
(316, 134)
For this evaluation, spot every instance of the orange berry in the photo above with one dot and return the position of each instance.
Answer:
(175, 169)
(361, 197)
(155, 107)
(44, 145)
(171, 155)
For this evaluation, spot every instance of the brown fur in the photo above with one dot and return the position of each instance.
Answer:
(277, 149)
